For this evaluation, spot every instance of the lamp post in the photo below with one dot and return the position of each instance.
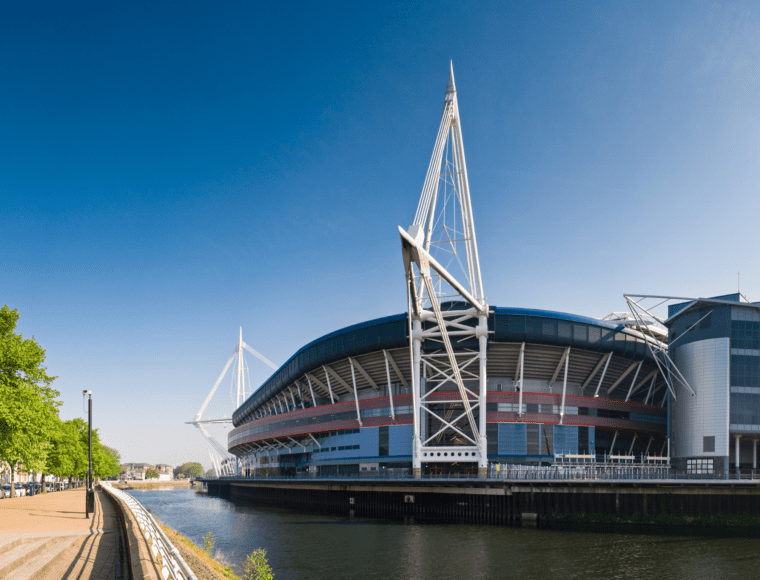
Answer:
(90, 501)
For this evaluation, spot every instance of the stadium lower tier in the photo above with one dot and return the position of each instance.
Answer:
(376, 435)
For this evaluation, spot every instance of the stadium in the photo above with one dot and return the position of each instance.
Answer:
(458, 386)
(558, 384)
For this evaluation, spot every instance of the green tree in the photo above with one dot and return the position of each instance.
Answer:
(189, 470)
(28, 404)
(104, 463)
(66, 452)
(69, 454)
(151, 474)
(115, 454)
(256, 566)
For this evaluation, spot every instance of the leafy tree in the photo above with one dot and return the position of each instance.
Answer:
(115, 454)
(189, 470)
(151, 474)
(256, 566)
(104, 463)
(69, 456)
(28, 404)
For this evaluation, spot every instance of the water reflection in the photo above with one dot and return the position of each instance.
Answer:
(308, 546)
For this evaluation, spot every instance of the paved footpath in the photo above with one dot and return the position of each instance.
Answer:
(48, 537)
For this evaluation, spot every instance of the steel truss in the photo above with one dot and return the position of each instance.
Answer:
(447, 341)
(650, 327)
(223, 462)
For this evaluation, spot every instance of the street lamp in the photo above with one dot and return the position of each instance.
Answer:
(90, 501)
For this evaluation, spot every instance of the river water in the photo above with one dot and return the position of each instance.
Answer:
(308, 546)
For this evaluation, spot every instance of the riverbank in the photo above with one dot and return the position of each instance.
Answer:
(149, 484)
(204, 566)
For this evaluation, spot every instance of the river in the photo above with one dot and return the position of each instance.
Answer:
(309, 546)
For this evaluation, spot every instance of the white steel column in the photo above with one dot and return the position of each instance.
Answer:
(416, 382)
(633, 443)
(482, 333)
(522, 367)
(311, 390)
(754, 454)
(649, 392)
(614, 438)
(240, 373)
(300, 395)
(564, 387)
(356, 392)
(390, 387)
(633, 382)
(646, 451)
(329, 388)
(601, 379)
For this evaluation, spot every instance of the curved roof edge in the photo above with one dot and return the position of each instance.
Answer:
(507, 324)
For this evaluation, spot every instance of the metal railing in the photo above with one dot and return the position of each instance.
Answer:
(163, 552)
(516, 472)
(580, 472)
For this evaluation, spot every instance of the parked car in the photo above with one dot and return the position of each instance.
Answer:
(18, 488)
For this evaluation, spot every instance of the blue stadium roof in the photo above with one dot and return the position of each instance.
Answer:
(507, 324)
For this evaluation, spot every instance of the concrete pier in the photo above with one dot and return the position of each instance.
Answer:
(500, 502)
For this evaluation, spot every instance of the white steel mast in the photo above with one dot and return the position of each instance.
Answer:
(219, 452)
(442, 237)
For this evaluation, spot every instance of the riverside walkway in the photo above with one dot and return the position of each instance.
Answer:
(47, 536)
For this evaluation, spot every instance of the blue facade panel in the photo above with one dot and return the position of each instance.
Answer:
(565, 439)
(399, 440)
(348, 446)
(513, 439)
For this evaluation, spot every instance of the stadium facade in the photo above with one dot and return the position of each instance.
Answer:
(343, 403)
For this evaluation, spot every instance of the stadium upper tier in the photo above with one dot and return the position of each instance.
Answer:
(601, 351)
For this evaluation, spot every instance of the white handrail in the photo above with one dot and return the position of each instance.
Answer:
(162, 550)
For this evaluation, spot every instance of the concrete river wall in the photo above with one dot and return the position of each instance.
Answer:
(505, 502)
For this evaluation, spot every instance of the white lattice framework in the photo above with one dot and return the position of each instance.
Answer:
(440, 249)
(223, 462)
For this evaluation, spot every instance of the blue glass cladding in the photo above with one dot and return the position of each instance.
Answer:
(513, 439)
(400, 439)
(745, 334)
(565, 439)
(745, 371)
(348, 445)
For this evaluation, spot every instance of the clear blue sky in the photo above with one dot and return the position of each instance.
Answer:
(170, 171)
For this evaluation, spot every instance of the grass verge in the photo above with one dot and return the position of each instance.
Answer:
(204, 566)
